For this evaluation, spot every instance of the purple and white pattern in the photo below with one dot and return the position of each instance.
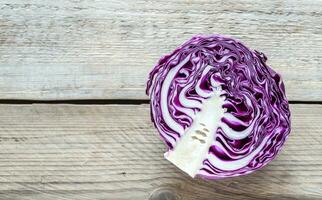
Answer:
(218, 107)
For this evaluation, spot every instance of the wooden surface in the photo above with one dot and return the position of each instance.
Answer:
(113, 152)
(102, 49)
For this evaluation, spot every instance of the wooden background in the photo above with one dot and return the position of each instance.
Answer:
(100, 52)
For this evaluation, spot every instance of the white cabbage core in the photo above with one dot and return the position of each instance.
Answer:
(192, 148)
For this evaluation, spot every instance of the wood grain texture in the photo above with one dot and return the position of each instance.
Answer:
(113, 152)
(83, 49)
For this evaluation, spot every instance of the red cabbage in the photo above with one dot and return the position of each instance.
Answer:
(218, 107)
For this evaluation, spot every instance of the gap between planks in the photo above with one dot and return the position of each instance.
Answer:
(105, 101)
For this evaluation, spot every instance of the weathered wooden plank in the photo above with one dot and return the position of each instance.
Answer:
(113, 152)
(104, 49)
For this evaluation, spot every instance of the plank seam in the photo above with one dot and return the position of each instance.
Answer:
(104, 101)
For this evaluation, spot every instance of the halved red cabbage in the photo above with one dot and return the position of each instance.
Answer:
(218, 107)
